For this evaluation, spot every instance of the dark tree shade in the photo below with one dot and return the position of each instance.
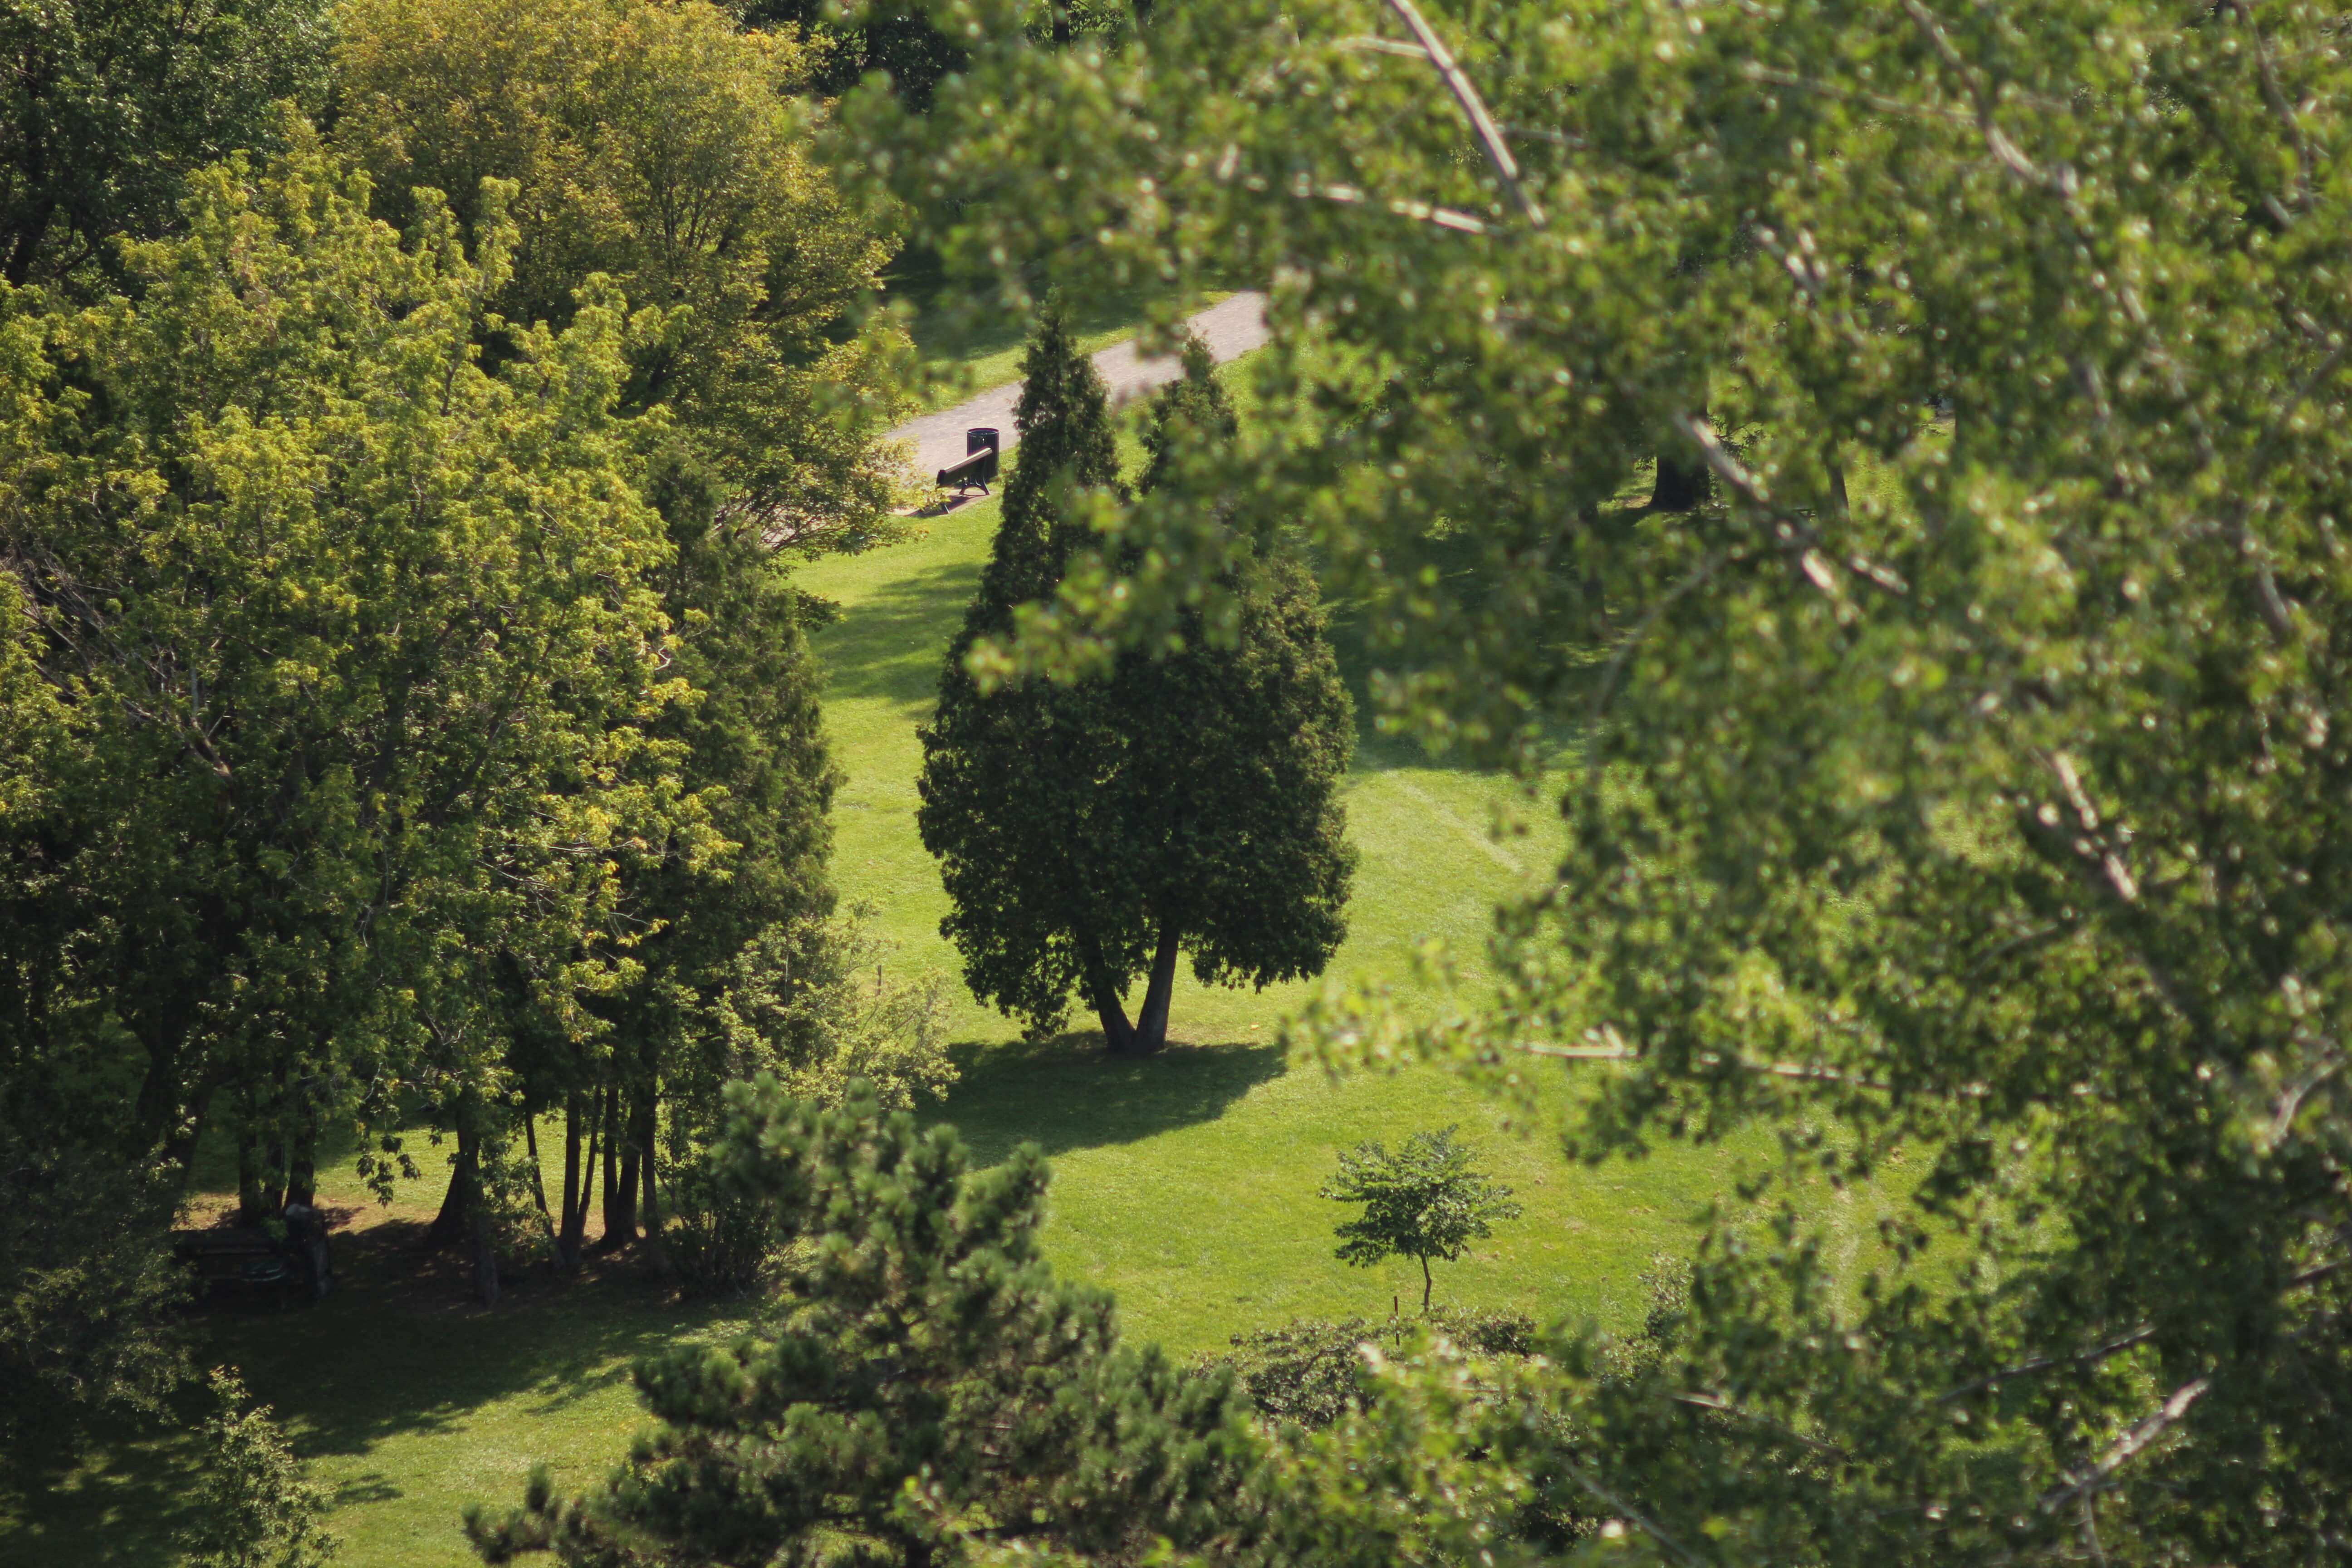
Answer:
(1090, 832)
(896, 38)
(111, 102)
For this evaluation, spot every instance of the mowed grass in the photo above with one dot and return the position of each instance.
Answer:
(1186, 1183)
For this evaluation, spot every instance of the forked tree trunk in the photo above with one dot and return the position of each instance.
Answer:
(1110, 1007)
(1151, 1025)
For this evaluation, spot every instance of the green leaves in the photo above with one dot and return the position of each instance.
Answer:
(1960, 781)
(360, 645)
(1092, 825)
(1427, 1200)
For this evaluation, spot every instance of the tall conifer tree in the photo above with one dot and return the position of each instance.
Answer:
(1090, 833)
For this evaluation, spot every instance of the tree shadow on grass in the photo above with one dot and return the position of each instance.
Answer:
(400, 1349)
(890, 643)
(1069, 1094)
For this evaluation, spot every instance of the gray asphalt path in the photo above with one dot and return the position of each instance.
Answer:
(1230, 329)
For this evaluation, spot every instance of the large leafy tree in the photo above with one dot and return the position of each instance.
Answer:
(925, 1390)
(113, 103)
(1963, 776)
(660, 146)
(1090, 833)
(353, 650)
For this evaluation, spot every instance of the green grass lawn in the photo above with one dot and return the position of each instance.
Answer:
(1186, 1182)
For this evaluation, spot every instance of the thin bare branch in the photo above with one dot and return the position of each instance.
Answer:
(1482, 125)
(2144, 1432)
(1802, 1072)
(1403, 206)
(2092, 1357)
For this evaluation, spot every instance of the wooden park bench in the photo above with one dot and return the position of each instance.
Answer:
(978, 464)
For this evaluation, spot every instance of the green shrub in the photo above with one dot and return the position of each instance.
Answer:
(1307, 1371)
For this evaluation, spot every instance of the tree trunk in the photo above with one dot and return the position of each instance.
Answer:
(1424, 1284)
(273, 1157)
(249, 1168)
(458, 1204)
(649, 1126)
(1151, 1025)
(538, 1179)
(302, 1160)
(621, 1193)
(477, 1219)
(1110, 1008)
(1837, 489)
(576, 1195)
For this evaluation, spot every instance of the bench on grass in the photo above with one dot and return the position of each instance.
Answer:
(976, 466)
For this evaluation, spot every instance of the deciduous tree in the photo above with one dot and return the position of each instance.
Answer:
(1963, 778)
(1427, 1200)
(661, 146)
(113, 103)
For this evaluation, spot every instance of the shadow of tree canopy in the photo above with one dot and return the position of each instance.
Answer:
(890, 645)
(400, 1349)
(1070, 1094)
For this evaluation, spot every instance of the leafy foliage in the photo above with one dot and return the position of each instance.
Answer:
(356, 646)
(1427, 1200)
(1312, 1371)
(1964, 778)
(88, 1293)
(1079, 850)
(926, 1388)
(658, 145)
(254, 1506)
(114, 103)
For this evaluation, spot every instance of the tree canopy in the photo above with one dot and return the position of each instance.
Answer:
(114, 103)
(926, 1391)
(1961, 780)
(661, 146)
(1427, 1200)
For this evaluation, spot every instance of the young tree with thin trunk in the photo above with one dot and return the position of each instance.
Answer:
(1427, 1200)
(1091, 830)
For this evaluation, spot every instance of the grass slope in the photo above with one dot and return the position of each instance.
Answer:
(1186, 1182)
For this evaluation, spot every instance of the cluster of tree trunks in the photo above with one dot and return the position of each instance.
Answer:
(599, 1124)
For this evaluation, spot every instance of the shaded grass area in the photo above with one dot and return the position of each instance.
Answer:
(1186, 1183)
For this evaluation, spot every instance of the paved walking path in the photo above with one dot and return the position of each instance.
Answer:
(1230, 329)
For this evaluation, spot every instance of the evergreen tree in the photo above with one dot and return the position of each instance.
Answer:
(926, 1385)
(1090, 831)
